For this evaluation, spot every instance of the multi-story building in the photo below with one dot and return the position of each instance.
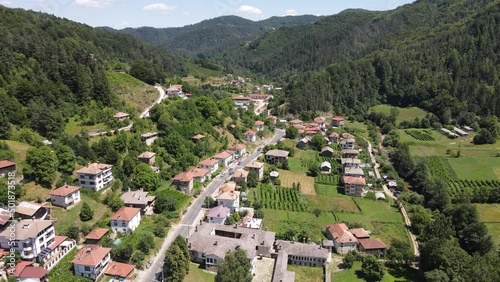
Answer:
(353, 186)
(250, 136)
(225, 158)
(32, 237)
(183, 182)
(65, 196)
(211, 164)
(256, 167)
(95, 176)
(91, 261)
(218, 215)
(125, 220)
(276, 156)
(343, 240)
(138, 199)
(229, 199)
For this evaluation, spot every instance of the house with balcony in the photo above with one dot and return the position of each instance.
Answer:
(333, 137)
(125, 220)
(229, 199)
(354, 172)
(95, 176)
(350, 153)
(212, 165)
(139, 199)
(183, 182)
(256, 167)
(239, 150)
(91, 261)
(350, 163)
(241, 101)
(55, 252)
(32, 237)
(173, 90)
(65, 196)
(225, 158)
(348, 143)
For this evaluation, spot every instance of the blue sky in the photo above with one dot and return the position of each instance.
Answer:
(170, 13)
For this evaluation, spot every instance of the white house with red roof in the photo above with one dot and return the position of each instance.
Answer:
(259, 125)
(343, 240)
(224, 157)
(119, 270)
(126, 219)
(337, 121)
(95, 176)
(200, 174)
(250, 136)
(211, 164)
(320, 121)
(334, 137)
(91, 261)
(65, 196)
(229, 199)
(239, 150)
(218, 215)
(173, 90)
(55, 252)
(240, 176)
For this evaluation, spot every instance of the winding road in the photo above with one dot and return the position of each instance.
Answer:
(195, 211)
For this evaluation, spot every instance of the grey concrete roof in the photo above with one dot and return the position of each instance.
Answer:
(136, 198)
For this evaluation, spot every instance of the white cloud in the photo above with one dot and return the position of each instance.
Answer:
(5, 2)
(158, 6)
(94, 3)
(249, 10)
(291, 12)
(186, 13)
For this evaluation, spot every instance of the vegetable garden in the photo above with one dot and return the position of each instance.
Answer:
(280, 199)
(421, 135)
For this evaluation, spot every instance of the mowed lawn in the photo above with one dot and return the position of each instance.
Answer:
(490, 215)
(198, 274)
(390, 275)
(302, 160)
(329, 199)
(476, 168)
(306, 273)
(306, 182)
(404, 113)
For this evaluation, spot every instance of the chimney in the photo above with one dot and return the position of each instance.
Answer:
(263, 242)
(66, 184)
(235, 225)
(253, 236)
(196, 228)
(215, 244)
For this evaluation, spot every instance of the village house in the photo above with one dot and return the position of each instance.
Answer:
(212, 165)
(241, 101)
(95, 236)
(350, 162)
(95, 176)
(302, 144)
(147, 158)
(225, 158)
(6, 167)
(210, 243)
(337, 121)
(125, 220)
(227, 187)
(91, 261)
(239, 150)
(65, 196)
(299, 254)
(350, 153)
(26, 272)
(173, 90)
(240, 176)
(229, 199)
(325, 167)
(121, 116)
(333, 137)
(327, 152)
(183, 182)
(259, 125)
(372, 246)
(343, 240)
(148, 135)
(360, 233)
(276, 156)
(139, 199)
(320, 121)
(256, 167)
(218, 215)
(250, 136)
(296, 122)
(353, 186)
(52, 254)
(354, 172)
(29, 210)
(347, 135)
(122, 271)
(32, 237)
(200, 174)
(348, 143)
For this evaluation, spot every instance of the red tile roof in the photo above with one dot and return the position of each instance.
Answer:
(32, 272)
(340, 233)
(91, 255)
(96, 234)
(239, 147)
(58, 240)
(223, 155)
(241, 98)
(125, 213)
(250, 132)
(259, 122)
(354, 180)
(338, 118)
(372, 244)
(146, 155)
(183, 177)
(119, 269)
(209, 162)
(334, 134)
(319, 120)
(5, 164)
(21, 266)
(360, 233)
(93, 168)
(198, 172)
(64, 190)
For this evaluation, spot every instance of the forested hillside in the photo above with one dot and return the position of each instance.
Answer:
(214, 36)
(52, 68)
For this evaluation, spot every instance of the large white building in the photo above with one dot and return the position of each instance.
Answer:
(91, 261)
(95, 176)
(65, 196)
(32, 237)
(125, 220)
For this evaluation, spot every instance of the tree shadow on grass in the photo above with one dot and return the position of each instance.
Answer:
(404, 274)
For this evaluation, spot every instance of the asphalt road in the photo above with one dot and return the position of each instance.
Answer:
(189, 219)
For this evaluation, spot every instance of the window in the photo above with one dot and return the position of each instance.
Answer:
(92, 183)
(87, 268)
(115, 223)
(82, 182)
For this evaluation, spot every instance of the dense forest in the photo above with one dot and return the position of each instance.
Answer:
(213, 36)
(52, 68)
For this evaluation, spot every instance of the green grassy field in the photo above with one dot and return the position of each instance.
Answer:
(357, 128)
(306, 273)
(302, 160)
(131, 90)
(306, 182)
(74, 127)
(354, 275)
(476, 168)
(490, 215)
(198, 274)
(329, 199)
(404, 113)
(19, 149)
